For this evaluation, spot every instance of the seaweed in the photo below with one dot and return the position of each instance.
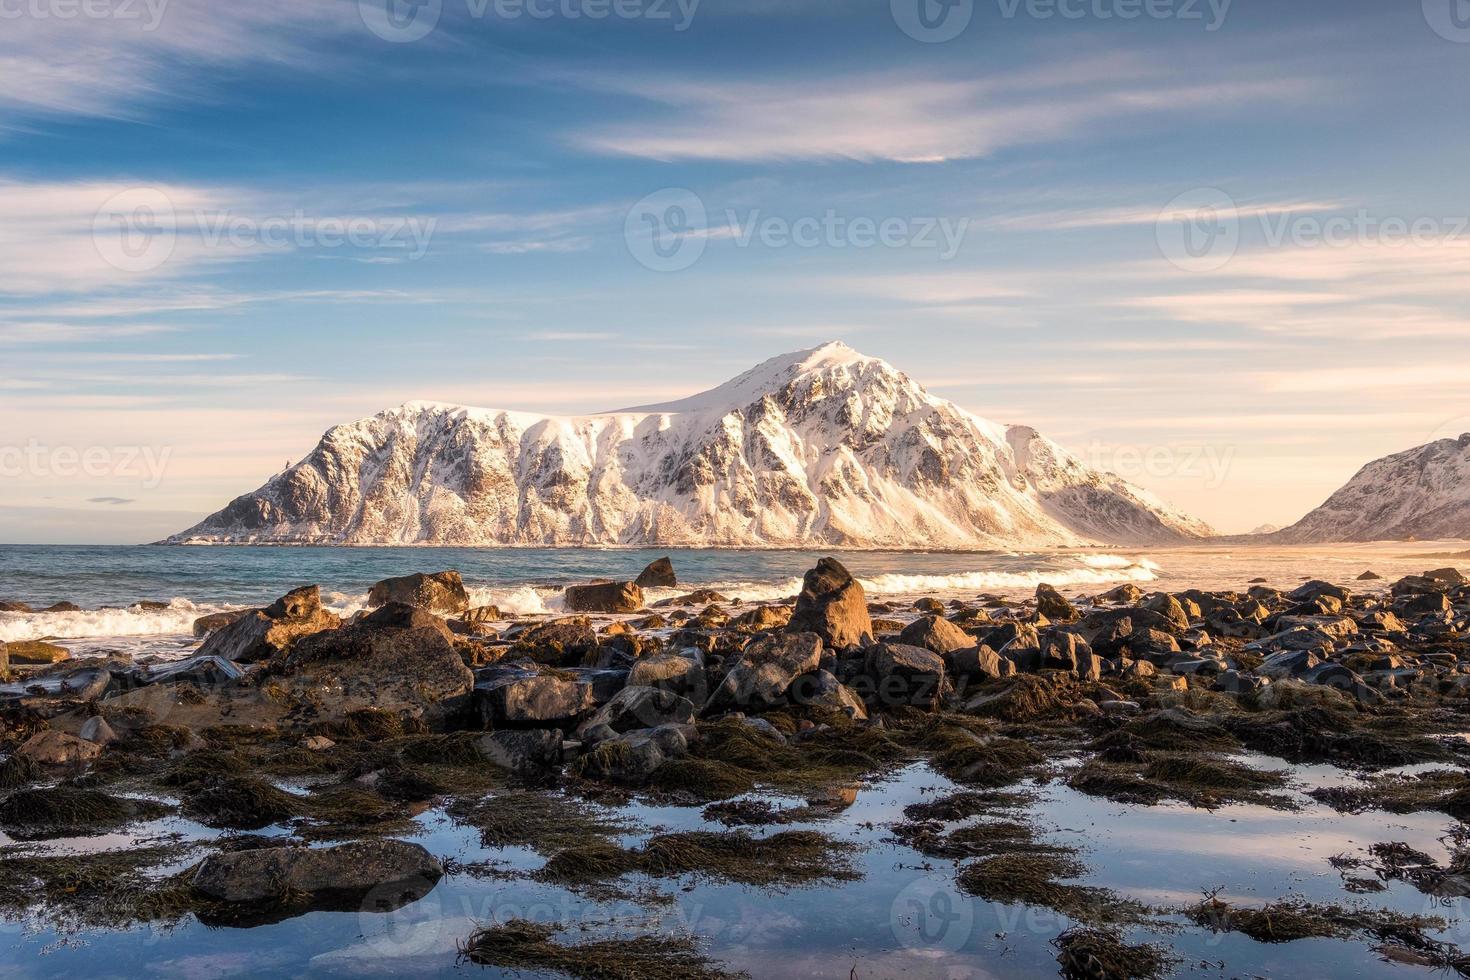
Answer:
(62, 810)
(546, 823)
(789, 859)
(1039, 879)
(240, 803)
(523, 945)
(1295, 918)
(1100, 954)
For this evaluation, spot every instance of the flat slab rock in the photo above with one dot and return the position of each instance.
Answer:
(359, 867)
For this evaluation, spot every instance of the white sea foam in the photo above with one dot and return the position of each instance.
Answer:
(970, 582)
(177, 619)
(520, 600)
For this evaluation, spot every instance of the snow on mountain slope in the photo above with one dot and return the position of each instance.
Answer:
(1421, 493)
(824, 447)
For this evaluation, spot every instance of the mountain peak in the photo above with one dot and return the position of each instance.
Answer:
(1422, 493)
(824, 447)
(771, 377)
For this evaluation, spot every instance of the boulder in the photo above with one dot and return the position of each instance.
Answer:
(15, 607)
(761, 673)
(762, 618)
(642, 707)
(205, 625)
(441, 592)
(62, 607)
(566, 641)
(1170, 608)
(264, 874)
(978, 663)
(936, 635)
(832, 605)
(1053, 605)
(658, 575)
(98, 731)
(262, 634)
(684, 675)
(822, 689)
(35, 653)
(1315, 588)
(521, 695)
(53, 748)
(522, 751)
(605, 597)
(907, 675)
(631, 757)
(1126, 594)
(366, 665)
(1370, 576)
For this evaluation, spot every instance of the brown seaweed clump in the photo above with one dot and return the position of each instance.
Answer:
(522, 945)
(1295, 918)
(63, 810)
(785, 860)
(544, 822)
(1040, 879)
(1098, 954)
(240, 803)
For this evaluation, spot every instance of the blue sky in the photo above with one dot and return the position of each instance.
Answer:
(321, 223)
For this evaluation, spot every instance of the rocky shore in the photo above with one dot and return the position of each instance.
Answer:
(523, 727)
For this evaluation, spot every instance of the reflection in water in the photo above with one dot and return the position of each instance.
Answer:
(904, 918)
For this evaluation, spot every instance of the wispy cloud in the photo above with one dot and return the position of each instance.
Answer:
(116, 66)
(908, 118)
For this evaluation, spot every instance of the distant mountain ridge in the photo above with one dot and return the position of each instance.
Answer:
(819, 448)
(1419, 493)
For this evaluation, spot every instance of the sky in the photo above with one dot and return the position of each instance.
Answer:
(1220, 248)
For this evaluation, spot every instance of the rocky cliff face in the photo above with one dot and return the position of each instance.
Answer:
(824, 447)
(1422, 493)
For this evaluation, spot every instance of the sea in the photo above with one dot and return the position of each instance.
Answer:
(107, 583)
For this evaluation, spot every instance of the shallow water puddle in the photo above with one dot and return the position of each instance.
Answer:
(904, 918)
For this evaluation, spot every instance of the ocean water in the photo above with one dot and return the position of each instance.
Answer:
(107, 581)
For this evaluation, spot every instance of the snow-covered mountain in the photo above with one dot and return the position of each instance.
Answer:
(824, 447)
(1422, 493)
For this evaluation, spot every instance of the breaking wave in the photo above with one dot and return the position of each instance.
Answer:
(177, 619)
